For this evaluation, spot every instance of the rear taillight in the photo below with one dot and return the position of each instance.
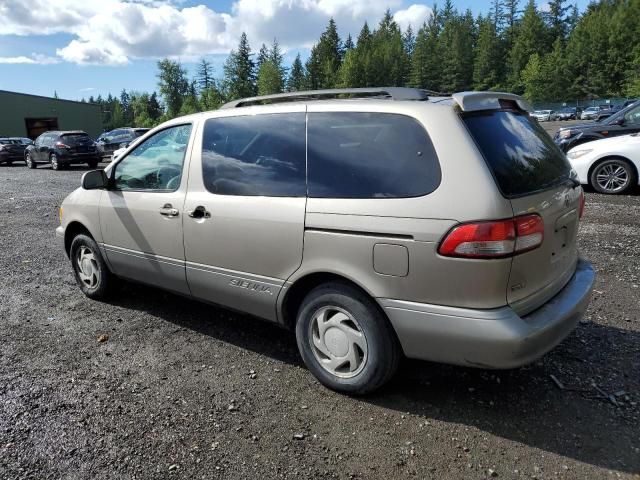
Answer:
(62, 145)
(581, 208)
(494, 239)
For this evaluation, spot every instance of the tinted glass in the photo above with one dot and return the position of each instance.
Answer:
(75, 138)
(632, 117)
(155, 164)
(369, 155)
(521, 155)
(255, 155)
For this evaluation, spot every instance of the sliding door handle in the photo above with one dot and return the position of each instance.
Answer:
(199, 212)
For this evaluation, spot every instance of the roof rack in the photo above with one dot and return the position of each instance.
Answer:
(390, 93)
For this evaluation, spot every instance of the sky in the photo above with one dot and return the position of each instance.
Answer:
(89, 47)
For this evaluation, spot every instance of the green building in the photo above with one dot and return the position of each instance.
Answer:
(23, 115)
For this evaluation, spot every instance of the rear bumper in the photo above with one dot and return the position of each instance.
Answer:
(496, 338)
(69, 158)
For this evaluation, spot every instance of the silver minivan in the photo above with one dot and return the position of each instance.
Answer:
(375, 223)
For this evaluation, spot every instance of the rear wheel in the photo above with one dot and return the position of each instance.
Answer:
(55, 163)
(345, 340)
(613, 176)
(29, 161)
(91, 272)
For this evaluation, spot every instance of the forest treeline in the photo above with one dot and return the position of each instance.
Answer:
(554, 55)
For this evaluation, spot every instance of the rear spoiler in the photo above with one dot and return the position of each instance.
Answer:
(474, 101)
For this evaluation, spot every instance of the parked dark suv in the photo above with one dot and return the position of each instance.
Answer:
(111, 141)
(11, 150)
(623, 122)
(61, 149)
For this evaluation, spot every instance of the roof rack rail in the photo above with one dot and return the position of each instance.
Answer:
(391, 93)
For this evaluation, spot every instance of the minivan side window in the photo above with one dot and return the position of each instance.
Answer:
(156, 163)
(255, 155)
(369, 155)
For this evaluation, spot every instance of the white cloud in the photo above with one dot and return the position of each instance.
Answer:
(114, 32)
(34, 59)
(413, 16)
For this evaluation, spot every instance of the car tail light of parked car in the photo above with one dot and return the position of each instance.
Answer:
(494, 239)
(62, 145)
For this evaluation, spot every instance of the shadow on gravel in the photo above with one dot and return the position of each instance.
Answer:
(522, 405)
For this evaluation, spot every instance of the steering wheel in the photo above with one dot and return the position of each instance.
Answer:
(165, 174)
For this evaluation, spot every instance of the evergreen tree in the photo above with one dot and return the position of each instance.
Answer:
(426, 67)
(325, 59)
(528, 40)
(173, 85)
(533, 80)
(457, 46)
(263, 56)
(389, 63)
(154, 109)
(239, 71)
(487, 68)
(409, 41)
(190, 104)
(558, 19)
(296, 80)
(277, 58)
(348, 44)
(269, 78)
(204, 75)
(127, 113)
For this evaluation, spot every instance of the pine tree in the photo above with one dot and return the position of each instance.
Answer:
(409, 41)
(487, 68)
(457, 46)
(190, 103)
(173, 85)
(277, 58)
(239, 71)
(557, 19)
(527, 42)
(204, 75)
(263, 56)
(348, 44)
(127, 113)
(533, 80)
(325, 59)
(389, 63)
(426, 61)
(296, 80)
(269, 78)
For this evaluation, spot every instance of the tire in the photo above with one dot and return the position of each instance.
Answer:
(28, 160)
(89, 268)
(93, 164)
(55, 164)
(613, 176)
(345, 340)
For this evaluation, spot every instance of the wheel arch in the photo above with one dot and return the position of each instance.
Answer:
(295, 294)
(613, 157)
(72, 230)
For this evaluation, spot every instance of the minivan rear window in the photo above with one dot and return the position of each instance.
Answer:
(519, 153)
(369, 155)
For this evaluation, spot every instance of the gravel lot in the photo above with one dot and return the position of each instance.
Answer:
(185, 390)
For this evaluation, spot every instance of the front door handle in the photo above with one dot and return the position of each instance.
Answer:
(169, 211)
(199, 212)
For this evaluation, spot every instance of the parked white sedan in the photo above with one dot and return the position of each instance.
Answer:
(542, 115)
(609, 165)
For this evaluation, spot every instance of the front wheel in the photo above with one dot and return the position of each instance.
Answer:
(91, 272)
(345, 340)
(614, 176)
(29, 161)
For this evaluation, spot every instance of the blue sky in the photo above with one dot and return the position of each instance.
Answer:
(95, 47)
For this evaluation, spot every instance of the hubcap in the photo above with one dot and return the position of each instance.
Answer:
(54, 162)
(337, 342)
(88, 270)
(612, 177)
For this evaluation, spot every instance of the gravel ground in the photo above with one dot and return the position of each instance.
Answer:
(184, 390)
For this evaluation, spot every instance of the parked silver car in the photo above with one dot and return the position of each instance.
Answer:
(372, 222)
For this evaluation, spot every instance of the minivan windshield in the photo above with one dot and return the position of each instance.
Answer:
(520, 154)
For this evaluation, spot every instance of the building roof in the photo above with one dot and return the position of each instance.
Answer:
(48, 98)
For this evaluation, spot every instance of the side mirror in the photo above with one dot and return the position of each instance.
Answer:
(94, 180)
(618, 121)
